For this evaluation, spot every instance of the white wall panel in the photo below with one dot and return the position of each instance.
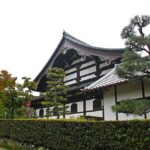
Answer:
(71, 82)
(88, 70)
(95, 113)
(88, 77)
(72, 116)
(109, 101)
(87, 64)
(71, 76)
(123, 116)
(89, 104)
(70, 70)
(147, 88)
(105, 71)
(129, 91)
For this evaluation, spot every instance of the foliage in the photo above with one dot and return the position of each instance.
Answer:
(56, 90)
(13, 95)
(134, 64)
(137, 107)
(77, 135)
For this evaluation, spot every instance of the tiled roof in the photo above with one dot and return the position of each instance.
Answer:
(72, 39)
(77, 41)
(111, 78)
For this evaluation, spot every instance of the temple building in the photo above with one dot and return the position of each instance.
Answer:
(94, 86)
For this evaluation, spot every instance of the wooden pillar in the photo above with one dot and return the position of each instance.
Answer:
(143, 94)
(115, 91)
(84, 103)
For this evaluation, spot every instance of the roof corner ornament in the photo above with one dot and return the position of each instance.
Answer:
(83, 57)
(108, 61)
(64, 50)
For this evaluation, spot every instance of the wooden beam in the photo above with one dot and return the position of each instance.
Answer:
(115, 92)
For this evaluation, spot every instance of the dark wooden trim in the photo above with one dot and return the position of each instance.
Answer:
(82, 77)
(86, 111)
(143, 94)
(115, 90)
(84, 103)
(81, 69)
(79, 63)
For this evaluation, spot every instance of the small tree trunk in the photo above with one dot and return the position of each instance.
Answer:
(12, 113)
(47, 113)
(64, 110)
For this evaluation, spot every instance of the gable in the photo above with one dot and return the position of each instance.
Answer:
(72, 53)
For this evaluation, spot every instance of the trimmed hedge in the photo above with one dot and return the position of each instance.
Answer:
(78, 135)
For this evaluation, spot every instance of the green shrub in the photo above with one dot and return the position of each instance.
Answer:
(78, 135)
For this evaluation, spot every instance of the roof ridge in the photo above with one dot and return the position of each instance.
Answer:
(67, 35)
(76, 40)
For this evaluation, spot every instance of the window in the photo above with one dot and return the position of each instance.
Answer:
(74, 108)
(41, 113)
(97, 104)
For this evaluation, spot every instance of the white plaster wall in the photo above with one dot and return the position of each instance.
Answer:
(124, 91)
(87, 64)
(148, 115)
(123, 116)
(106, 71)
(37, 112)
(109, 101)
(129, 91)
(95, 113)
(71, 82)
(147, 88)
(70, 70)
(88, 70)
(88, 77)
(89, 104)
(73, 115)
(80, 106)
(71, 76)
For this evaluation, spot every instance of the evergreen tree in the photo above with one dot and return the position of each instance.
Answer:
(56, 92)
(135, 63)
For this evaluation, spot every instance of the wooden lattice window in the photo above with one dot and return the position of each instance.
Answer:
(97, 103)
(41, 113)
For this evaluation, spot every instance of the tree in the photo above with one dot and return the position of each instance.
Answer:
(56, 91)
(135, 63)
(13, 95)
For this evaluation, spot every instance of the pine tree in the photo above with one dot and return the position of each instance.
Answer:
(135, 63)
(56, 92)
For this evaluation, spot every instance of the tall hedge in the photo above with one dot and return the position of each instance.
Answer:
(77, 135)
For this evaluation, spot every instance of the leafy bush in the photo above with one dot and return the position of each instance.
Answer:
(78, 135)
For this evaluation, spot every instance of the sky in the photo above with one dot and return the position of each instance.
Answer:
(30, 30)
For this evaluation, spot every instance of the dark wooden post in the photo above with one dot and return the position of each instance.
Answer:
(84, 103)
(143, 94)
(115, 90)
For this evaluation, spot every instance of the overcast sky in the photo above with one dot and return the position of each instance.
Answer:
(30, 30)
